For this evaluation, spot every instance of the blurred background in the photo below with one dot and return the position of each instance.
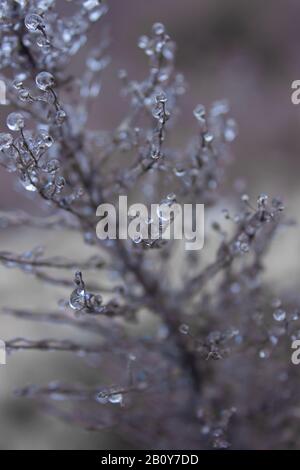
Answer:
(248, 52)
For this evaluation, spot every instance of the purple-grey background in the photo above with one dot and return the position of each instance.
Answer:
(246, 51)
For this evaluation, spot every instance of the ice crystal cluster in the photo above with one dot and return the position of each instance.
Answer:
(214, 371)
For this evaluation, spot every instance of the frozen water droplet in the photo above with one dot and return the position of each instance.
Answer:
(17, 83)
(200, 113)
(208, 137)
(158, 29)
(163, 77)
(24, 95)
(232, 332)
(244, 247)
(132, 357)
(15, 121)
(155, 153)
(90, 4)
(171, 197)
(279, 315)
(115, 398)
(205, 430)
(262, 200)
(169, 51)
(137, 239)
(33, 22)
(95, 65)
(143, 42)
(44, 139)
(264, 354)
(219, 108)
(184, 329)
(149, 50)
(274, 340)
(44, 4)
(179, 172)
(102, 397)
(5, 141)
(60, 182)
(295, 316)
(42, 42)
(221, 443)
(29, 183)
(217, 432)
(231, 130)
(44, 80)
(52, 166)
(77, 299)
(98, 12)
(161, 97)
(60, 116)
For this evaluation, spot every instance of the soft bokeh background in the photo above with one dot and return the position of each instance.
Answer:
(248, 52)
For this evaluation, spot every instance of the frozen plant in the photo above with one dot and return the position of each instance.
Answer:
(199, 378)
